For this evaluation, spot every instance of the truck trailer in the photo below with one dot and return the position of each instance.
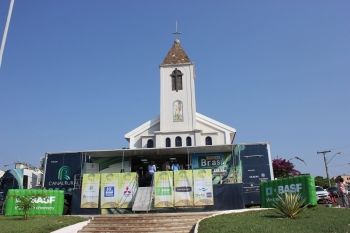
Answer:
(242, 165)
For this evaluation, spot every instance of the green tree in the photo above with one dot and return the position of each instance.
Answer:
(321, 181)
(26, 203)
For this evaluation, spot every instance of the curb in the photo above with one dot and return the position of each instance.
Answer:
(72, 228)
(226, 212)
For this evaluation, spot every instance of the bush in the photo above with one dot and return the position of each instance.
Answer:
(289, 204)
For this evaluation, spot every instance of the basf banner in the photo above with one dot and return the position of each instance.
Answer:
(127, 187)
(183, 186)
(203, 187)
(109, 190)
(49, 202)
(60, 170)
(163, 184)
(90, 191)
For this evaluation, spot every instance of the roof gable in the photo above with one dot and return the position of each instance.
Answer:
(145, 126)
(214, 123)
(176, 55)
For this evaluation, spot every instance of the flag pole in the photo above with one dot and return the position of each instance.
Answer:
(3, 41)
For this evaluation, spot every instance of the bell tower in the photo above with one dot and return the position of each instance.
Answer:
(177, 91)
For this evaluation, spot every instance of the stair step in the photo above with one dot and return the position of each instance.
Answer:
(169, 220)
(139, 223)
(135, 228)
(110, 231)
(146, 218)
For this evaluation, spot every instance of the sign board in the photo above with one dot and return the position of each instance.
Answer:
(304, 185)
(203, 187)
(60, 170)
(163, 184)
(183, 187)
(50, 203)
(109, 190)
(127, 187)
(90, 191)
(224, 170)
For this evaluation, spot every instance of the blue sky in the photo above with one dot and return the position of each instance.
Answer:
(77, 75)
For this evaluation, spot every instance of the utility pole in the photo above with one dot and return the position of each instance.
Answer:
(325, 163)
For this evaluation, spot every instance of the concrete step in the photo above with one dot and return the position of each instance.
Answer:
(150, 215)
(153, 231)
(153, 223)
(159, 220)
(137, 229)
(144, 222)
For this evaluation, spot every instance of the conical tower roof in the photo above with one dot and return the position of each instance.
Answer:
(176, 55)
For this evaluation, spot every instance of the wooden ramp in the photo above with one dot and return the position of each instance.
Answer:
(143, 199)
(153, 223)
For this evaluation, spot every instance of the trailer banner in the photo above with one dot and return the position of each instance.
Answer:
(203, 187)
(127, 187)
(90, 191)
(109, 194)
(46, 202)
(163, 184)
(225, 166)
(183, 185)
(303, 185)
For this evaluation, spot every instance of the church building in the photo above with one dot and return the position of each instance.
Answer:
(179, 124)
(179, 136)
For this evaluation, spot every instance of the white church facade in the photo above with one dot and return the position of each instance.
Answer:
(179, 124)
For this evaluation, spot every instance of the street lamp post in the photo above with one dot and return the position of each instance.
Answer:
(298, 158)
(327, 162)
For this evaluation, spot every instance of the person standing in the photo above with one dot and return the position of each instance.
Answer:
(342, 192)
(166, 166)
(175, 166)
(151, 170)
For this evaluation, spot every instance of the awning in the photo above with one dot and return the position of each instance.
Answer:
(158, 152)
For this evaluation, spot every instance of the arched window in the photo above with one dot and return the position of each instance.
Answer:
(188, 141)
(178, 141)
(176, 80)
(208, 141)
(150, 143)
(167, 142)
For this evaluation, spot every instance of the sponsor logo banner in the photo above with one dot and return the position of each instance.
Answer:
(127, 187)
(163, 184)
(203, 187)
(109, 184)
(60, 170)
(90, 191)
(183, 188)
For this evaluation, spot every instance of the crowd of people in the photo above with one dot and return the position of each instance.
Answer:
(146, 177)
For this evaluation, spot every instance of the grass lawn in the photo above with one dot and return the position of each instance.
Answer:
(37, 224)
(317, 219)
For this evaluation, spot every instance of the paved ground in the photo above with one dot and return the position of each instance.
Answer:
(72, 228)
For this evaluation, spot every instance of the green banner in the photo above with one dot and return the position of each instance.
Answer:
(50, 203)
(203, 187)
(127, 187)
(109, 190)
(163, 184)
(303, 185)
(90, 191)
(183, 184)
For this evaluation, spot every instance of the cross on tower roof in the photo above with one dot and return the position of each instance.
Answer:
(176, 33)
